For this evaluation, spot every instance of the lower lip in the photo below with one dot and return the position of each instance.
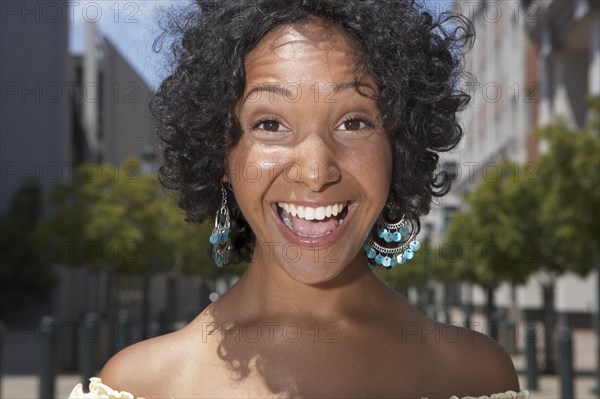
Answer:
(313, 242)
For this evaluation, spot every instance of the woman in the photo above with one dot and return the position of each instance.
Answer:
(309, 130)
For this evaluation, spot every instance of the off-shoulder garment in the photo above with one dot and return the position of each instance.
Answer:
(100, 391)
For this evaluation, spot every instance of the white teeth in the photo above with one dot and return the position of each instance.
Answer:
(335, 210)
(300, 211)
(309, 213)
(320, 213)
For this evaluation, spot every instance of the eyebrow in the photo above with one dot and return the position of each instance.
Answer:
(268, 88)
(282, 91)
(352, 85)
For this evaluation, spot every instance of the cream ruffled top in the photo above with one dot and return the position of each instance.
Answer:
(100, 391)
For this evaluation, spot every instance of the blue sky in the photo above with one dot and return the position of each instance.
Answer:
(132, 27)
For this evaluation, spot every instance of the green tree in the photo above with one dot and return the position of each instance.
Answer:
(24, 277)
(567, 218)
(116, 219)
(541, 217)
(569, 184)
(484, 238)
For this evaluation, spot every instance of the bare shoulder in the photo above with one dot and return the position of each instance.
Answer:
(463, 362)
(149, 368)
(138, 367)
(481, 359)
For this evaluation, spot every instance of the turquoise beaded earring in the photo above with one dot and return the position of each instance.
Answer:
(221, 243)
(398, 242)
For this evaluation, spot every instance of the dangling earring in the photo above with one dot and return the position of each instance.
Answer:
(399, 238)
(221, 244)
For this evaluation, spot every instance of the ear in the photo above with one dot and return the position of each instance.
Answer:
(225, 177)
(226, 182)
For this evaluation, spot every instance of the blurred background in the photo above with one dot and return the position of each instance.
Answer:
(95, 256)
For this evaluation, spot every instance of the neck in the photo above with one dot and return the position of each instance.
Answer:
(266, 291)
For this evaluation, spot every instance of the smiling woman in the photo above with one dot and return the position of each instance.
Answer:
(339, 108)
(316, 150)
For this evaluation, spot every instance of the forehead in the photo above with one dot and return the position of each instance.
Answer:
(311, 51)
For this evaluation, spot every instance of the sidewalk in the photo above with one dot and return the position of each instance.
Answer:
(26, 387)
(549, 387)
(584, 359)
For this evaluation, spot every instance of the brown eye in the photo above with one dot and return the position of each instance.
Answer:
(354, 124)
(271, 126)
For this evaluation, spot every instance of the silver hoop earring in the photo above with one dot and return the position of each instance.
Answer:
(398, 243)
(220, 241)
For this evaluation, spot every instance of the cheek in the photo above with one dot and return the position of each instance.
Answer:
(374, 163)
(382, 155)
(385, 155)
(251, 169)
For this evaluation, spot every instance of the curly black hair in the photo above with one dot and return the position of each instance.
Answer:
(415, 59)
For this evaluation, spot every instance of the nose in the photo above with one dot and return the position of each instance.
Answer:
(314, 164)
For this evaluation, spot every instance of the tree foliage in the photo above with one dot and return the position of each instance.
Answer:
(569, 192)
(541, 216)
(114, 218)
(489, 234)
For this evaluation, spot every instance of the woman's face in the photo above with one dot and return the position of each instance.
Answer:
(312, 169)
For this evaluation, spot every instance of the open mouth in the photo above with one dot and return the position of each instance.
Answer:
(312, 222)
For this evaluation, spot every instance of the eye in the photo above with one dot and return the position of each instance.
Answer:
(269, 124)
(355, 123)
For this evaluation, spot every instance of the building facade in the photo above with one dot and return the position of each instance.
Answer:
(59, 110)
(567, 38)
(532, 61)
(34, 122)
